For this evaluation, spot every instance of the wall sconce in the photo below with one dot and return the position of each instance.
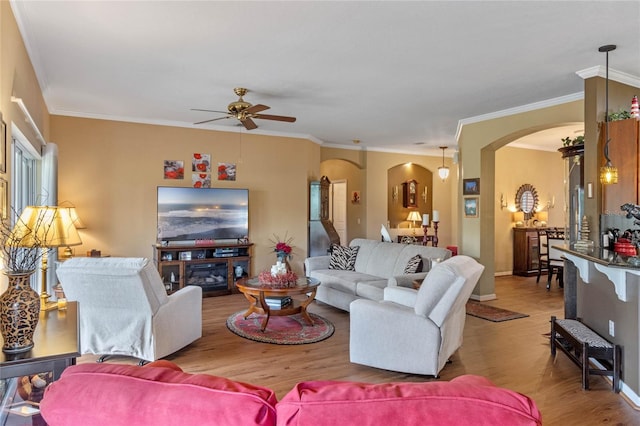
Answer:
(551, 203)
(394, 193)
(424, 194)
(503, 203)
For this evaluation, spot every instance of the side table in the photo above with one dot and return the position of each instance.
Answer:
(56, 346)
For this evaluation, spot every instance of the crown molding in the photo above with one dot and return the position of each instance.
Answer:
(615, 75)
(518, 110)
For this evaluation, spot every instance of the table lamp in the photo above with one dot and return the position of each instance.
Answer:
(413, 217)
(543, 217)
(518, 218)
(46, 227)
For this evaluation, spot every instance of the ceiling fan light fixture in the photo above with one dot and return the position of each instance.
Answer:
(443, 171)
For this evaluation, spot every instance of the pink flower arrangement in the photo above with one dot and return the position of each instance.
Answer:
(286, 280)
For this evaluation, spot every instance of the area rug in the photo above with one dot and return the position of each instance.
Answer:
(491, 313)
(285, 330)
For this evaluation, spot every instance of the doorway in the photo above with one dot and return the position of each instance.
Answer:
(338, 209)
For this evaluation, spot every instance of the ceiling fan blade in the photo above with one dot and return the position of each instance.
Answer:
(255, 108)
(209, 110)
(249, 124)
(275, 117)
(213, 119)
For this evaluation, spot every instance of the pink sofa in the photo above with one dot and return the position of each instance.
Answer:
(161, 394)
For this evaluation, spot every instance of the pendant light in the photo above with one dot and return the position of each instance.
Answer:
(443, 171)
(608, 173)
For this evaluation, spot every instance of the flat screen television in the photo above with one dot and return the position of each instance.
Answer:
(187, 214)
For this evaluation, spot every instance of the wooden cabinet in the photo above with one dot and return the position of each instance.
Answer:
(214, 267)
(623, 152)
(525, 251)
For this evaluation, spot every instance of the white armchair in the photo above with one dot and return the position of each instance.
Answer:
(415, 331)
(124, 308)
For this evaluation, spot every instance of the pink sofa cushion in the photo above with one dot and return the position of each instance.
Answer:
(462, 401)
(131, 395)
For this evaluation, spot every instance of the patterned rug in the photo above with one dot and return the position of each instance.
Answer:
(285, 330)
(491, 313)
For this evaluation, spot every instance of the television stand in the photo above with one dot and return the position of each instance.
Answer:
(213, 266)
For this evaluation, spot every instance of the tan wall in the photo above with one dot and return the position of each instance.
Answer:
(515, 167)
(110, 171)
(17, 78)
(337, 170)
(478, 143)
(376, 197)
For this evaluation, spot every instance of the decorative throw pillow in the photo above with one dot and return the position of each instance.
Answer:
(343, 258)
(414, 265)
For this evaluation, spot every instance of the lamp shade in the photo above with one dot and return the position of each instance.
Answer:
(542, 215)
(44, 226)
(443, 172)
(414, 216)
(518, 218)
(76, 219)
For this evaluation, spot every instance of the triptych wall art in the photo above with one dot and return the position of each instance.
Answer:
(200, 170)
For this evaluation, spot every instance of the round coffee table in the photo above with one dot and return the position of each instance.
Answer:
(256, 294)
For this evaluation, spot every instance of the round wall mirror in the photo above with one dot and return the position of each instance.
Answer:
(527, 200)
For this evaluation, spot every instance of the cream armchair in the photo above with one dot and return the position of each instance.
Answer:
(124, 308)
(415, 331)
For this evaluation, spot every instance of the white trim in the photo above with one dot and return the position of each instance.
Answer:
(230, 129)
(483, 298)
(615, 75)
(518, 110)
(28, 117)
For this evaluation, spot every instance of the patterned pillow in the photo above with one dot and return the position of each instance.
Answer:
(414, 265)
(343, 258)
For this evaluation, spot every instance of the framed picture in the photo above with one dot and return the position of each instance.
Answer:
(471, 207)
(4, 199)
(471, 186)
(3, 147)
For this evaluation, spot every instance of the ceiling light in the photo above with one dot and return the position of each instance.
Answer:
(443, 171)
(608, 173)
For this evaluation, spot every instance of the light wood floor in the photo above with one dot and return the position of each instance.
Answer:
(513, 354)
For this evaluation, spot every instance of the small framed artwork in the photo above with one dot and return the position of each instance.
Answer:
(201, 163)
(173, 169)
(226, 171)
(201, 180)
(355, 197)
(471, 207)
(3, 147)
(471, 186)
(4, 199)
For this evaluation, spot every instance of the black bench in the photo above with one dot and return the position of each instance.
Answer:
(580, 343)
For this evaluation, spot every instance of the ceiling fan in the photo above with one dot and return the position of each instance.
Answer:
(245, 112)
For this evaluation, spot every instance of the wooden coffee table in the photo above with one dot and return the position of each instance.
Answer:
(256, 294)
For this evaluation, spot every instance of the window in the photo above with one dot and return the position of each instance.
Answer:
(25, 181)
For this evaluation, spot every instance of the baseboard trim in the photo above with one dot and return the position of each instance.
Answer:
(483, 297)
(503, 274)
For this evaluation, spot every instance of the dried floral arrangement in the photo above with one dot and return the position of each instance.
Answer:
(286, 280)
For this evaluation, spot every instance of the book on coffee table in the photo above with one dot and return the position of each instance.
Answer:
(278, 302)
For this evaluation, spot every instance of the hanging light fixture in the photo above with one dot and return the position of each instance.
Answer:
(443, 171)
(608, 173)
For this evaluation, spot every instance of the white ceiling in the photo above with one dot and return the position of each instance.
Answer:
(398, 76)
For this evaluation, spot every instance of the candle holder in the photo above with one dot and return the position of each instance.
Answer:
(433, 238)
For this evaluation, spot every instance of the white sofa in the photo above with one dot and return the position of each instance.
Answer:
(124, 308)
(378, 265)
(415, 331)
